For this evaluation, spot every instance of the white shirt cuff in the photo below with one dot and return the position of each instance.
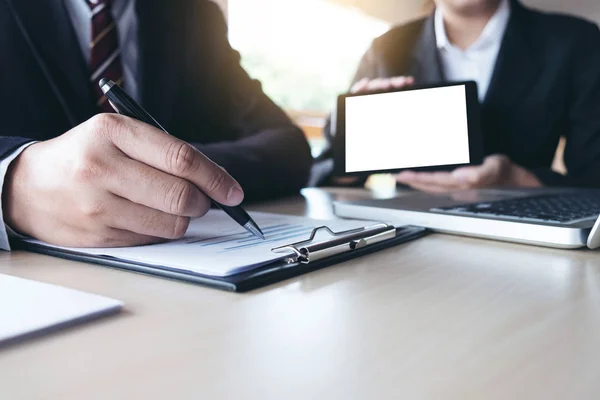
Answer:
(5, 230)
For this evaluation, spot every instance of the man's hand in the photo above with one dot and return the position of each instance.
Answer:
(370, 85)
(496, 170)
(112, 181)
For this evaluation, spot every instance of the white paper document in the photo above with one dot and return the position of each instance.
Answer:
(29, 307)
(215, 245)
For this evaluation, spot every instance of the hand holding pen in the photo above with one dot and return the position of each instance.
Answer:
(112, 181)
(125, 105)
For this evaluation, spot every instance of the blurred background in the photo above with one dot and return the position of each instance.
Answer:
(305, 52)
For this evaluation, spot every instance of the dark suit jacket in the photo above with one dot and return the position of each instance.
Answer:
(546, 84)
(191, 82)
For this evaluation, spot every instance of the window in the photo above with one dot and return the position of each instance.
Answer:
(304, 52)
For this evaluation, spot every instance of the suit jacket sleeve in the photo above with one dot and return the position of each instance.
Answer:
(270, 156)
(8, 144)
(582, 151)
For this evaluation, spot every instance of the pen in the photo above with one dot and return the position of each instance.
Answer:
(125, 105)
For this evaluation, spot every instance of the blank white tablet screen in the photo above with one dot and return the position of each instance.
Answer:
(410, 129)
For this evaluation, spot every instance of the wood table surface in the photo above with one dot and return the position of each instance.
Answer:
(443, 317)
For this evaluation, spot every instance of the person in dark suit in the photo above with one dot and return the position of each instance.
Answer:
(539, 80)
(75, 175)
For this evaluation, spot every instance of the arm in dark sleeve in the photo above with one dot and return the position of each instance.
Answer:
(582, 151)
(8, 144)
(270, 156)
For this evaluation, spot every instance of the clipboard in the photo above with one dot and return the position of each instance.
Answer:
(303, 257)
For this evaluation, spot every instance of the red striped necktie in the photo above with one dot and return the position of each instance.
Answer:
(105, 54)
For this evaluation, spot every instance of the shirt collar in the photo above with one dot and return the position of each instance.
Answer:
(491, 35)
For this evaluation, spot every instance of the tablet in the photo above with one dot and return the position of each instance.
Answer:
(433, 127)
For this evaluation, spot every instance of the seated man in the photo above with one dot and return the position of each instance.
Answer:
(538, 76)
(110, 180)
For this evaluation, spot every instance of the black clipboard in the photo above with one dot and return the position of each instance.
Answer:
(303, 257)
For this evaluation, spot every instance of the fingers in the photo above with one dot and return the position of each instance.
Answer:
(385, 84)
(433, 189)
(166, 153)
(430, 182)
(379, 84)
(400, 82)
(495, 171)
(150, 187)
(183, 160)
(491, 173)
(128, 216)
(470, 176)
(499, 170)
(439, 179)
(360, 86)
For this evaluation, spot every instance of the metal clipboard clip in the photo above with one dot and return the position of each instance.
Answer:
(340, 242)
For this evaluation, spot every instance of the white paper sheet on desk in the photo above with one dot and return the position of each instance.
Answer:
(28, 307)
(216, 245)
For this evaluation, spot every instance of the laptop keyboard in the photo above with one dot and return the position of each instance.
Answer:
(553, 208)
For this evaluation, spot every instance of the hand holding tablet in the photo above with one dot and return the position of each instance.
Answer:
(434, 127)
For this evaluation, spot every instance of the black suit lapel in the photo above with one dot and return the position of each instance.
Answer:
(51, 31)
(161, 26)
(516, 67)
(426, 66)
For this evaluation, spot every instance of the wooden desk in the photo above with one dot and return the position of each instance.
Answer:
(439, 318)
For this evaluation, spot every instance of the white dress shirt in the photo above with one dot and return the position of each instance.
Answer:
(4, 244)
(478, 61)
(123, 12)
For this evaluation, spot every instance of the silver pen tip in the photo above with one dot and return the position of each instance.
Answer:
(254, 229)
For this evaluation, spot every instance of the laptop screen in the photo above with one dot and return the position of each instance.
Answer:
(407, 129)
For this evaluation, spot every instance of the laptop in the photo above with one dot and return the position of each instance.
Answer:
(387, 132)
(560, 218)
